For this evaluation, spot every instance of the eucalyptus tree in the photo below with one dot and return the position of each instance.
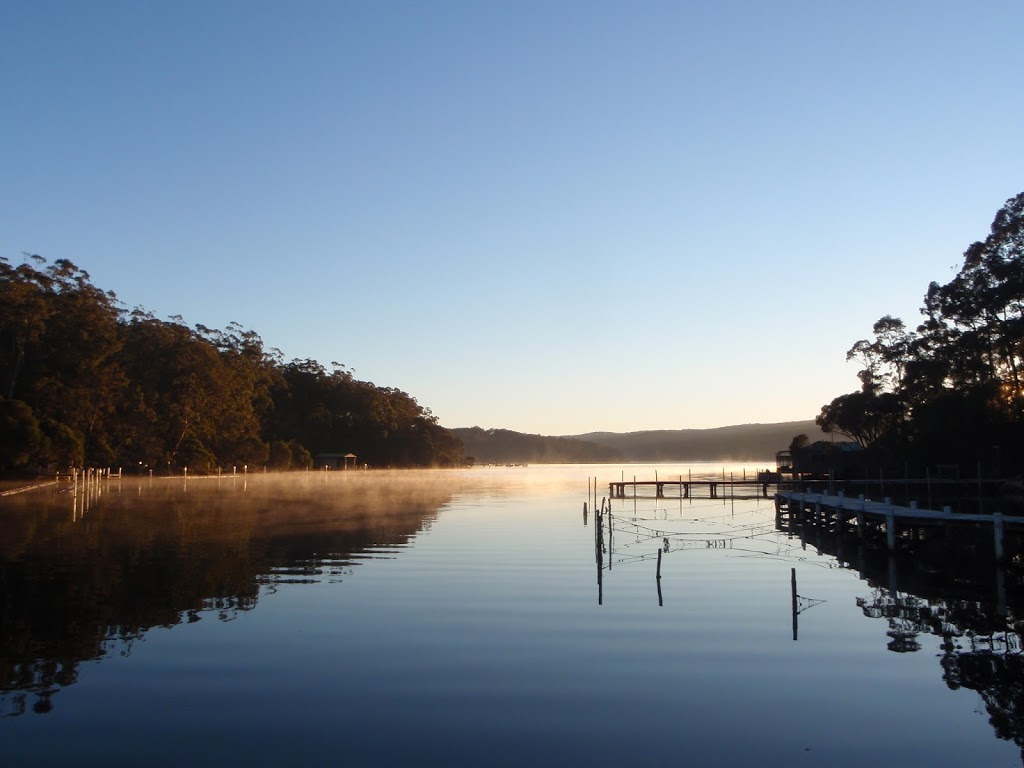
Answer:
(79, 379)
(20, 435)
(192, 405)
(82, 380)
(333, 412)
(865, 417)
(25, 309)
(977, 318)
(958, 380)
(251, 376)
(60, 340)
(304, 409)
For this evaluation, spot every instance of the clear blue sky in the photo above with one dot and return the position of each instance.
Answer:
(553, 217)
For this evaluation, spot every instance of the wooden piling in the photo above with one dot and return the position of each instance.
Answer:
(980, 491)
(792, 589)
(608, 512)
(1001, 591)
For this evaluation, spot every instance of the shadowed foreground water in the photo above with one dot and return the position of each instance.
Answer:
(454, 617)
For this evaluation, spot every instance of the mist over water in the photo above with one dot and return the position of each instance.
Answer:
(444, 617)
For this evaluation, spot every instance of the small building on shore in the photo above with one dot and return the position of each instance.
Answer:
(824, 458)
(335, 460)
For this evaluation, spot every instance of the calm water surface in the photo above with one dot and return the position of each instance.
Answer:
(443, 618)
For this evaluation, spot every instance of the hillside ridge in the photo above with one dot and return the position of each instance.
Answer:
(738, 442)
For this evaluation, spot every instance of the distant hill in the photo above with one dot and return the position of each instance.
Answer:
(503, 446)
(744, 442)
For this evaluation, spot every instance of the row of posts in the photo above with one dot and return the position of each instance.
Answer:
(92, 474)
(599, 543)
(998, 523)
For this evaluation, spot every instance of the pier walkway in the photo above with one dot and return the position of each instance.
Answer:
(750, 488)
(841, 510)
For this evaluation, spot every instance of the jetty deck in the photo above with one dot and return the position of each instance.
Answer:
(840, 510)
(748, 488)
(881, 509)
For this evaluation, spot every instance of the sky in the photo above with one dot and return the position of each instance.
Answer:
(554, 217)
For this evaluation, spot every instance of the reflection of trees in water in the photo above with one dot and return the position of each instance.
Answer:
(981, 650)
(999, 678)
(950, 587)
(74, 588)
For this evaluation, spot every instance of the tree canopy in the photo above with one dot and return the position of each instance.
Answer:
(952, 390)
(84, 381)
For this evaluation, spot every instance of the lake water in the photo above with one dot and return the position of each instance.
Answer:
(455, 618)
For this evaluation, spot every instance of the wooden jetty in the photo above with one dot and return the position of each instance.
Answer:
(747, 488)
(840, 510)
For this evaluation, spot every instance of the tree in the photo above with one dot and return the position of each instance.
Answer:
(280, 455)
(976, 321)
(958, 380)
(78, 377)
(301, 458)
(886, 358)
(25, 309)
(863, 417)
(61, 445)
(20, 435)
(106, 386)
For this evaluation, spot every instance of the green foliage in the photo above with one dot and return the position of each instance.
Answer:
(301, 458)
(335, 413)
(86, 382)
(194, 455)
(20, 435)
(280, 455)
(62, 445)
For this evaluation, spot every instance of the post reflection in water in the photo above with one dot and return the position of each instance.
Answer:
(134, 555)
(933, 583)
(952, 588)
(448, 618)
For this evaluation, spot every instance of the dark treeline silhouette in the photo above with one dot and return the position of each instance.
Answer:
(489, 446)
(951, 391)
(85, 382)
(746, 442)
(743, 442)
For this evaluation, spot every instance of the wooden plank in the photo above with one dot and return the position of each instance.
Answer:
(881, 509)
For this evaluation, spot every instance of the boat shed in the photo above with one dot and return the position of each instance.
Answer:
(335, 460)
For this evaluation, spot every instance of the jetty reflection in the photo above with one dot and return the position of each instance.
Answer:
(83, 576)
(949, 586)
(948, 582)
